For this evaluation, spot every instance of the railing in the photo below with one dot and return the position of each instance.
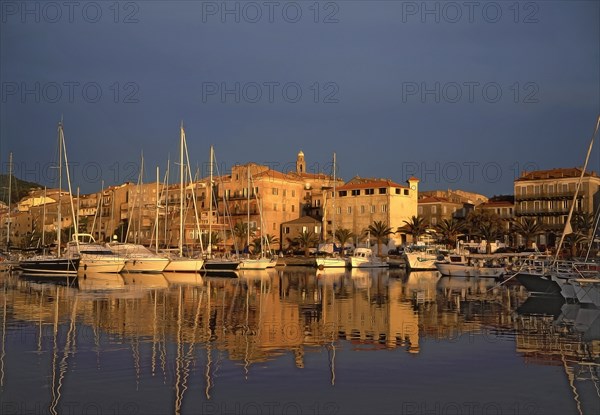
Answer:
(546, 196)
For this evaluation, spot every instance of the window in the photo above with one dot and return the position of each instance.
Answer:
(338, 210)
(283, 207)
(362, 209)
(369, 191)
(286, 229)
(383, 208)
(317, 230)
(356, 192)
(382, 190)
(293, 193)
(349, 210)
(433, 221)
(343, 193)
(275, 206)
(397, 191)
(372, 208)
(293, 208)
(304, 229)
(420, 210)
(405, 192)
(434, 209)
(284, 193)
(275, 191)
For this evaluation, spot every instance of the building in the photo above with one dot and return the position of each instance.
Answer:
(435, 209)
(292, 229)
(468, 200)
(363, 201)
(505, 209)
(547, 195)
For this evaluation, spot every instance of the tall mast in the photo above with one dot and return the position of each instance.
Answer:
(181, 139)
(9, 199)
(333, 203)
(210, 201)
(59, 207)
(44, 221)
(567, 229)
(248, 206)
(157, 206)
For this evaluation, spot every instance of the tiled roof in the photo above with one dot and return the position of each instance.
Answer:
(554, 174)
(359, 183)
(433, 199)
(501, 203)
(302, 219)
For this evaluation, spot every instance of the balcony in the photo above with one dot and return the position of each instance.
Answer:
(547, 196)
(542, 212)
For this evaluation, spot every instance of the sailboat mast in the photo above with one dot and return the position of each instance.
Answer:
(44, 220)
(333, 202)
(181, 138)
(157, 206)
(210, 201)
(248, 209)
(9, 199)
(59, 207)
(567, 229)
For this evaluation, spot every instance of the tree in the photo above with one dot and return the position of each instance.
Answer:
(307, 239)
(240, 232)
(528, 228)
(450, 229)
(379, 230)
(415, 226)
(488, 231)
(344, 236)
(215, 239)
(265, 244)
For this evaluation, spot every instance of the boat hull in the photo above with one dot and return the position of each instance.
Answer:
(366, 263)
(184, 265)
(587, 290)
(538, 284)
(331, 263)
(420, 261)
(255, 264)
(460, 270)
(50, 266)
(148, 264)
(215, 265)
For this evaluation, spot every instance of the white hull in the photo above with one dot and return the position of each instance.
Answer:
(367, 263)
(184, 265)
(421, 260)
(257, 264)
(112, 265)
(146, 264)
(331, 263)
(461, 270)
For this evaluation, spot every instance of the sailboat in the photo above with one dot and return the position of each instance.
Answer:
(212, 264)
(138, 258)
(179, 263)
(55, 265)
(334, 261)
(262, 262)
(555, 278)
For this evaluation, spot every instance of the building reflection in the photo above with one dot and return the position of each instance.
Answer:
(180, 326)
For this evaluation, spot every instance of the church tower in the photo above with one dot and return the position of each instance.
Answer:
(300, 163)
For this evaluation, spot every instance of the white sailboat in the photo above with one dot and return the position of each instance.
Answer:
(180, 263)
(212, 264)
(55, 265)
(333, 261)
(261, 262)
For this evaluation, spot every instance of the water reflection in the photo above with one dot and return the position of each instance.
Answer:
(144, 335)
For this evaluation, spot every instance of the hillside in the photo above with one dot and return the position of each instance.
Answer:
(20, 188)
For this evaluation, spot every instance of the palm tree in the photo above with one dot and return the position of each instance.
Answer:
(379, 230)
(416, 227)
(450, 229)
(215, 239)
(488, 231)
(528, 228)
(240, 232)
(343, 236)
(264, 244)
(307, 239)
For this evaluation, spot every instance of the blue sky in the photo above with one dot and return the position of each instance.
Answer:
(462, 95)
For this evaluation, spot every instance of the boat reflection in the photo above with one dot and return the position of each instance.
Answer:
(189, 333)
(99, 281)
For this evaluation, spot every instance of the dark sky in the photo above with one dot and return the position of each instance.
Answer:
(462, 95)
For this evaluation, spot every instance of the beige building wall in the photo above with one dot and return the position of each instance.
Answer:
(361, 202)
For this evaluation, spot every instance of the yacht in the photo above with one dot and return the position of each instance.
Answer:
(422, 257)
(364, 258)
(459, 265)
(93, 256)
(138, 258)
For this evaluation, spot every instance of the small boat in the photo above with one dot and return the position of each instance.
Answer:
(138, 258)
(422, 257)
(93, 256)
(458, 265)
(364, 258)
(331, 262)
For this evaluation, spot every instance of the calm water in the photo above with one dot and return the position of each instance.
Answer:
(293, 341)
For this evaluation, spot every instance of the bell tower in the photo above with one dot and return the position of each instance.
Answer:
(300, 163)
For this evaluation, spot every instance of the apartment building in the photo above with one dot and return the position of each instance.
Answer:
(547, 195)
